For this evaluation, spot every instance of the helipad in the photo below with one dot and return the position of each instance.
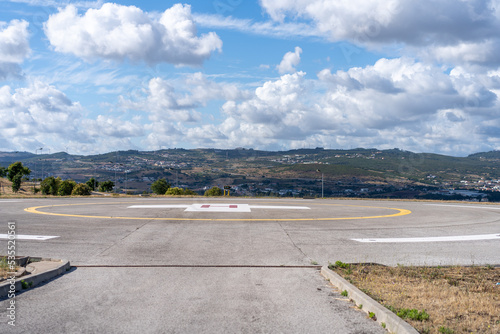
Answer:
(174, 211)
(206, 262)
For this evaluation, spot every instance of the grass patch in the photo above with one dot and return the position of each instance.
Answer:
(5, 269)
(433, 299)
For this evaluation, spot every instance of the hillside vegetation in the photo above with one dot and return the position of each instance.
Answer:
(301, 172)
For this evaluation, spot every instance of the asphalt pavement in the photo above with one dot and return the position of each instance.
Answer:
(225, 265)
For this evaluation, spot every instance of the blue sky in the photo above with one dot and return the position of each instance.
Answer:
(91, 77)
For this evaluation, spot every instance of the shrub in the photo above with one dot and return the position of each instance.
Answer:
(106, 186)
(66, 188)
(50, 185)
(214, 191)
(92, 183)
(189, 192)
(174, 191)
(81, 189)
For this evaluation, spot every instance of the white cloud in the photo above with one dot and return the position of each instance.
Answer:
(290, 61)
(14, 44)
(37, 112)
(394, 103)
(113, 127)
(177, 100)
(14, 47)
(396, 20)
(119, 32)
(455, 31)
(40, 115)
(203, 89)
(266, 28)
(485, 53)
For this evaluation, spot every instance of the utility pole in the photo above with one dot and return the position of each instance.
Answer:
(116, 181)
(41, 161)
(176, 176)
(322, 184)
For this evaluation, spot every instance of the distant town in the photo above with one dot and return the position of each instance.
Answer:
(366, 173)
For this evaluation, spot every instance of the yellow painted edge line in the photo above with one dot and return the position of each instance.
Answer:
(34, 209)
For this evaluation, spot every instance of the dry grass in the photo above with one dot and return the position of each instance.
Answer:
(457, 299)
(6, 189)
(5, 269)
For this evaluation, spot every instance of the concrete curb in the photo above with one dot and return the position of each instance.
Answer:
(38, 275)
(393, 323)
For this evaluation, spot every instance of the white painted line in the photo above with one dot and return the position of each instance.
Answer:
(433, 239)
(158, 206)
(280, 207)
(218, 208)
(28, 237)
(467, 206)
(10, 201)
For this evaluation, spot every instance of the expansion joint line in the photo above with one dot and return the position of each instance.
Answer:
(317, 267)
(125, 237)
(293, 242)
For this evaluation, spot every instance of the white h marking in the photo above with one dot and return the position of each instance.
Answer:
(434, 239)
(218, 207)
(27, 237)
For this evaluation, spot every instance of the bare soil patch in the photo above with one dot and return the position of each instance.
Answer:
(439, 299)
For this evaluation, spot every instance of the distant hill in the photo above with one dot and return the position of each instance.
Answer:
(262, 172)
(492, 155)
(9, 157)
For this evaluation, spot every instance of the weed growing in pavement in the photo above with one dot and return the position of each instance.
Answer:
(344, 293)
(412, 314)
(371, 315)
(342, 265)
(338, 264)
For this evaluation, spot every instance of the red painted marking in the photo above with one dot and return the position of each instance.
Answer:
(205, 206)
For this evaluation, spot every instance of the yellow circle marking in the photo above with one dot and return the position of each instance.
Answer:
(35, 209)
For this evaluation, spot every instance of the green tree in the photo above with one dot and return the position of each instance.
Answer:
(16, 183)
(17, 168)
(214, 191)
(92, 183)
(66, 188)
(50, 185)
(15, 173)
(81, 189)
(3, 171)
(160, 186)
(106, 186)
